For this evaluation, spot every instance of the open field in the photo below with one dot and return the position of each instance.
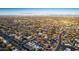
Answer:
(39, 33)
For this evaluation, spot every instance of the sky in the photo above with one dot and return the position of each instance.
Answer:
(39, 11)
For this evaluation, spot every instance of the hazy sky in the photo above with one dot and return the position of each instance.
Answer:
(39, 11)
